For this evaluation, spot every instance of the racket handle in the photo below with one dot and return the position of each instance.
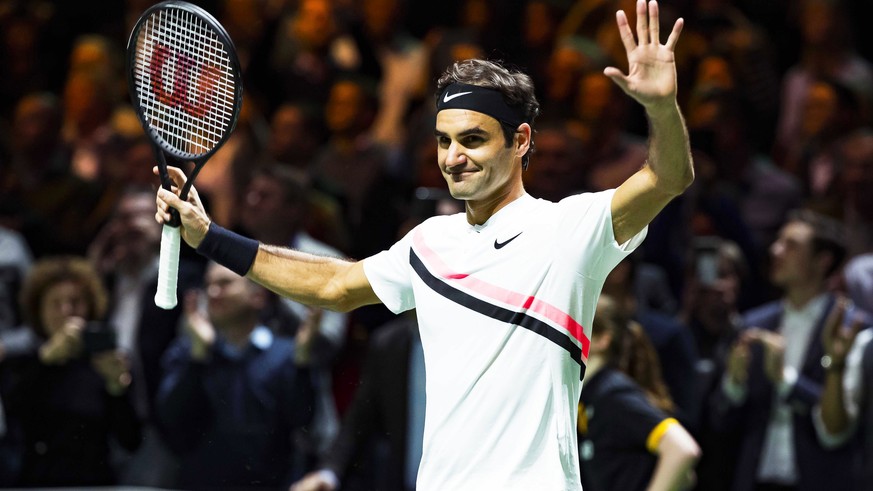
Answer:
(168, 269)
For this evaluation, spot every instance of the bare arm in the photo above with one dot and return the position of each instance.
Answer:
(837, 343)
(651, 81)
(678, 453)
(324, 282)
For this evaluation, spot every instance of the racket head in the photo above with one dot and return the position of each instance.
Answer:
(184, 79)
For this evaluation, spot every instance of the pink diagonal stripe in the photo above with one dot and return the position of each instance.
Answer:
(526, 302)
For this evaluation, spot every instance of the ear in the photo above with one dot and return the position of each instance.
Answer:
(824, 260)
(523, 135)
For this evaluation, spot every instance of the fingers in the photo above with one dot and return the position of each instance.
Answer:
(624, 30)
(642, 22)
(835, 318)
(674, 34)
(176, 174)
(648, 27)
(654, 24)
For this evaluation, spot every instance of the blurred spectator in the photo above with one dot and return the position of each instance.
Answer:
(275, 210)
(37, 190)
(222, 179)
(730, 164)
(558, 169)
(89, 101)
(827, 51)
(845, 405)
(855, 158)
(31, 48)
(125, 251)
(829, 111)
(636, 287)
(570, 59)
(628, 439)
(296, 133)
(16, 259)
(773, 374)
(396, 60)
(612, 154)
(539, 41)
(71, 400)
(353, 168)
(307, 53)
(232, 396)
(716, 277)
(858, 278)
(379, 444)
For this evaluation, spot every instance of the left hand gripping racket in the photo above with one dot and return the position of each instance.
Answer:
(186, 87)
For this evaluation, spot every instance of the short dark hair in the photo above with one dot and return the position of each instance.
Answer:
(516, 86)
(829, 235)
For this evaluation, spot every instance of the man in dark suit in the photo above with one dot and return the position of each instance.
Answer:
(379, 443)
(126, 252)
(775, 370)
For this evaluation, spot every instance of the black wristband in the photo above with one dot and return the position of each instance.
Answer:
(229, 249)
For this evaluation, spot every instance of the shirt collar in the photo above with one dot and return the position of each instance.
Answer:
(813, 308)
(505, 214)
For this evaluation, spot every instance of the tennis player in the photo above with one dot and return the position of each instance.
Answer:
(505, 293)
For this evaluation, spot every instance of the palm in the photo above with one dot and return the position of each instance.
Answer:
(651, 78)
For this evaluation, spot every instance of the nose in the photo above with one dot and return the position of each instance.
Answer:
(776, 248)
(455, 155)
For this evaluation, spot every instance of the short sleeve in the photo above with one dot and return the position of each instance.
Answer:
(586, 222)
(389, 274)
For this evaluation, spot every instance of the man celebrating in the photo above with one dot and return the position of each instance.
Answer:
(496, 288)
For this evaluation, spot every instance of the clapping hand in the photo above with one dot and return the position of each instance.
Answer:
(835, 338)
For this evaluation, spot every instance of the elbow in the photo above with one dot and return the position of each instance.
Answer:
(684, 181)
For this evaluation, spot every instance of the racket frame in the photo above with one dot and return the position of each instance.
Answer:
(162, 146)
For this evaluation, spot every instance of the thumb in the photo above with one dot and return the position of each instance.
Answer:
(617, 76)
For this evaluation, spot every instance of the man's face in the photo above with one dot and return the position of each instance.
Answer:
(264, 200)
(793, 260)
(229, 296)
(473, 156)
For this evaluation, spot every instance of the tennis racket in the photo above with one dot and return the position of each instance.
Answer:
(185, 84)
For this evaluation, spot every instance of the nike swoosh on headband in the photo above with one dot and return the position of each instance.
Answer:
(447, 97)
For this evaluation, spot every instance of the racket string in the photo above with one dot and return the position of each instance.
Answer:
(194, 113)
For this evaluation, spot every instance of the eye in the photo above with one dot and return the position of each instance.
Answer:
(444, 141)
(473, 141)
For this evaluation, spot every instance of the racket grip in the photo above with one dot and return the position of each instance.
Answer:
(168, 269)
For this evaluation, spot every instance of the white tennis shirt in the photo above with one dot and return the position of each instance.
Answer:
(505, 311)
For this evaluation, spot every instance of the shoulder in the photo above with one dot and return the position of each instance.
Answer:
(768, 312)
(608, 381)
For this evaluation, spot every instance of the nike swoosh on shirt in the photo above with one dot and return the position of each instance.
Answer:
(447, 97)
(498, 245)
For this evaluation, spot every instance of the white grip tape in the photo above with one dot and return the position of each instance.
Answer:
(168, 270)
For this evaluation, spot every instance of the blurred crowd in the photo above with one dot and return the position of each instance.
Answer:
(738, 286)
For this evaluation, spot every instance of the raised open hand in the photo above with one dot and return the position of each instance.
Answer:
(651, 78)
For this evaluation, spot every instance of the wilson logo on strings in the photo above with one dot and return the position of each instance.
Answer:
(179, 97)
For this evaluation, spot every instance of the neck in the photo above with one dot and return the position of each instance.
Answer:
(238, 334)
(799, 296)
(479, 211)
(595, 364)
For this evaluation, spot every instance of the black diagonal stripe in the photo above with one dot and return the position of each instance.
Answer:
(496, 312)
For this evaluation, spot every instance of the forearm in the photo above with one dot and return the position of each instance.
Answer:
(678, 453)
(318, 281)
(833, 409)
(669, 154)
